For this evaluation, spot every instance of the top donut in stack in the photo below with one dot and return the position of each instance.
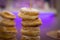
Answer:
(7, 15)
(7, 18)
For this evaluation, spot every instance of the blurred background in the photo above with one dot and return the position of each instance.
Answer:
(49, 13)
(46, 5)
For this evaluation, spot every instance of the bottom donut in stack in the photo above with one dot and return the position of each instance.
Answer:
(30, 33)
(8, 34)
(30, 38)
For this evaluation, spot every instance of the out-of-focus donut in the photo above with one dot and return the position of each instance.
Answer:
(7, 15)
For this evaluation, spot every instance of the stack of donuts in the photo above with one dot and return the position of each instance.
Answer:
(30, 24)
(7, 26)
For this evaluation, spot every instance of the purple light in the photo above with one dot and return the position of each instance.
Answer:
(49, 22)
(46, 15)
(43, 17)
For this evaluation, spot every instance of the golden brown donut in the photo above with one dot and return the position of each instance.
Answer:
(31, 28)
(28, 11)
(31, 23)
(30, 32)
(9, 32)
(8, 22)
(8, 29)
(30, 38)
(29, 19)
(27, 16)
(7, 15)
